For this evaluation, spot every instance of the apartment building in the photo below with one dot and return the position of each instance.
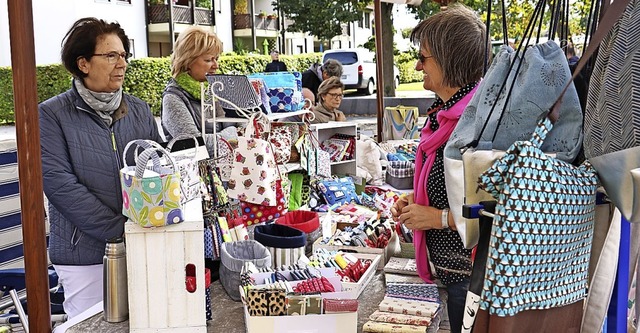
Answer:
(53, 18)
(246, 24)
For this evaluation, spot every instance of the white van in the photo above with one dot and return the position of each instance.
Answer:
(359, 69)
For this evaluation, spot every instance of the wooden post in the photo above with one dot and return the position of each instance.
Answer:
(379, 66)
(29, 164)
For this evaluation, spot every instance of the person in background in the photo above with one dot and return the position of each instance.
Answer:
(426, 210)
(195, 56)
(83, 134)
(275, 65)
(309, 97)
(313, 77)
(330, 94)
(572, 58)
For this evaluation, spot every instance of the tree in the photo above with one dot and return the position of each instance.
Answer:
(518, 14)
(321, 18)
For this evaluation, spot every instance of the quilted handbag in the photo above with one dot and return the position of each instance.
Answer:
(236, 89)
(284, 90)
(542, 230)
(151, 196)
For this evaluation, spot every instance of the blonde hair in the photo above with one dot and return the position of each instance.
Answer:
(192, 43)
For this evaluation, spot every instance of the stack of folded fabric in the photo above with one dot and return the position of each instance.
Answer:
(406, 308)
(403, 270)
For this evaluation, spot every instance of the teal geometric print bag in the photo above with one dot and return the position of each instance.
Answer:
(542, 231)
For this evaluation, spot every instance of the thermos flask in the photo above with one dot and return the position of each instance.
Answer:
(115, 300)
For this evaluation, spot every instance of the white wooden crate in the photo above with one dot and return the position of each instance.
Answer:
(156, 269)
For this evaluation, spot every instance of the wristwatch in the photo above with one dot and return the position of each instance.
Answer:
(445, 218)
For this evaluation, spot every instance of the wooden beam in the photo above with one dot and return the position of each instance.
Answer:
(23, 64)
(377, 14)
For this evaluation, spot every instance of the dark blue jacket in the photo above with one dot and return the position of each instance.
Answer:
(81, 160)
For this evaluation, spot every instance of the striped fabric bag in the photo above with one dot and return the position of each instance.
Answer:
(612, 116)
(10, 230)
(11, 250)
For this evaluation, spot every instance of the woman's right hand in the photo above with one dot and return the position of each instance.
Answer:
(397, 207)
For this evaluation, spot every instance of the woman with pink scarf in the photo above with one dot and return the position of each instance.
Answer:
(451, 58)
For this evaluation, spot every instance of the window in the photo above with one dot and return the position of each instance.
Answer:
(360, 22)
(367, 20)
(344, 57)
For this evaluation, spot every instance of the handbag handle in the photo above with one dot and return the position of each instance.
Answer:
(146, 144)
(184, 137)
(611, 16)
(141, 161)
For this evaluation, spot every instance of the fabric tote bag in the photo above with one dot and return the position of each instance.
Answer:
(516, 91)
(612, 117)
(254, 173)
(151, 196)
(401, 122)
(542, 231)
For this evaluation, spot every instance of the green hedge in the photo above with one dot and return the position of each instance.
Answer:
(147, 77)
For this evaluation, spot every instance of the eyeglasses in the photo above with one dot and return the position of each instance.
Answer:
(423, 58)
(113, 57)
(335, 95)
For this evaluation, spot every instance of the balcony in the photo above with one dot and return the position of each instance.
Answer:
(243, 21)
(181, 14)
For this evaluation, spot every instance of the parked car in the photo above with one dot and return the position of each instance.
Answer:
(359, 68)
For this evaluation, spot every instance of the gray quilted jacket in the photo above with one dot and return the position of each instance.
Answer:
(81, 160)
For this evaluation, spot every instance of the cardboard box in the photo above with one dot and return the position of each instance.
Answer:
(324, 323)
(157, 260)
(344, 290)
(385, 253)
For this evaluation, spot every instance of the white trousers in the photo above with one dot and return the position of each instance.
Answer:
(82, 287)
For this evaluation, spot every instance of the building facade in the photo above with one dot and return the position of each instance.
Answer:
(53, 18)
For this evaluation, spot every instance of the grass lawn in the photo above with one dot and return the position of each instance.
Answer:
(413, 86)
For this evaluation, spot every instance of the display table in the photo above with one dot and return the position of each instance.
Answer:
(228, 315)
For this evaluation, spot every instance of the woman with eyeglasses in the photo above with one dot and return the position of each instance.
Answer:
(330, 94)
(451, 59)
(83, 132)
(195, 56)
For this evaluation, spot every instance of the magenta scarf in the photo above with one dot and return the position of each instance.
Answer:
(430, 141)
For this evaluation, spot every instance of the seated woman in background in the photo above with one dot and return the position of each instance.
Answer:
(330, 94)
(195, 56)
